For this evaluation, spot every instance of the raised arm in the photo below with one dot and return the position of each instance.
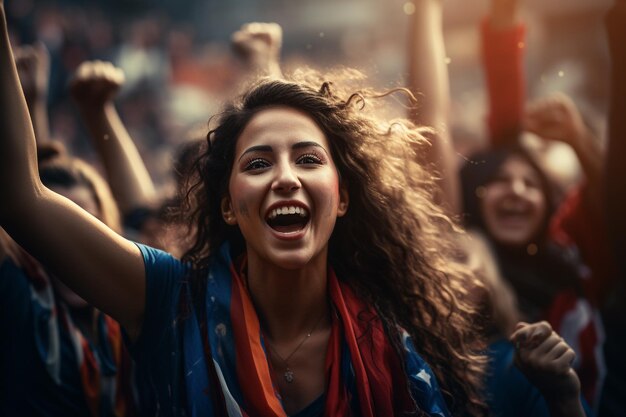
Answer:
(33, 66)
(96, 263)
(259, 45)
(94, 87)
(502, 39)
(557, 118)
(428, 80)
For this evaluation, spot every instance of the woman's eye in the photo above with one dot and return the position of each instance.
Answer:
(256, 163)
(309, 159)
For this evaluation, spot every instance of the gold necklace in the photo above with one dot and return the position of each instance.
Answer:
(289, 375)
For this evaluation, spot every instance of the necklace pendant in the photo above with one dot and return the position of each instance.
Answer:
(289, 376)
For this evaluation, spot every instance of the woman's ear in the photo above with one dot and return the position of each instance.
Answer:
(227, 211)
(344, 200)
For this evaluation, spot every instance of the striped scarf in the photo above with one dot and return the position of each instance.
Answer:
(227, 371)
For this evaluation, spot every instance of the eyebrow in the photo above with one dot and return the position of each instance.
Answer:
(267, 148)
(258, 148)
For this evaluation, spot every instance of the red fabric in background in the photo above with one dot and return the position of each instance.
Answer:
(503, 56)
(576, 224)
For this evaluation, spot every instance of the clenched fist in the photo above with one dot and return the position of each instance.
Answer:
(96, 83)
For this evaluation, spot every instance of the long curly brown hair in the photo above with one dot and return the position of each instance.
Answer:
(394, 246)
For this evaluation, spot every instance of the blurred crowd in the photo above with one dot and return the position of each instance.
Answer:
(166, 91)
(166, 59)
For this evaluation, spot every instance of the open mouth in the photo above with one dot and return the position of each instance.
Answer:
(288, 219)
(514, 214)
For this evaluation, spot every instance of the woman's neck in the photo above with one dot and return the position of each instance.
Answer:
(289, 302)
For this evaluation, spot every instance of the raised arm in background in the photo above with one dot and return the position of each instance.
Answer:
(94, 86)
(99, 265)
(259, 46)
(557, 118)
(428, 80)
(502, 39)
(33, 67)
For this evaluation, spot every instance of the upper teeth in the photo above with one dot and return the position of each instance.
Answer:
(288, 210)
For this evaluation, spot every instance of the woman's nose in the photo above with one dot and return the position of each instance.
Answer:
(286, 179)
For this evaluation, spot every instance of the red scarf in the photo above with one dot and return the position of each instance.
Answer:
(380, 383)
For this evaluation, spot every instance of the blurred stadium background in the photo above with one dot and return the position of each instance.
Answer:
(178, 62)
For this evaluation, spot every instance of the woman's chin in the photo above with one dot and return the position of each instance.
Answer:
(294, 259)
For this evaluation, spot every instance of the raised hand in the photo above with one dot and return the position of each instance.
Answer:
(546, 360)
(259, 45)
(556, 118)
(33, 68)
(101, 266)
(96, 83)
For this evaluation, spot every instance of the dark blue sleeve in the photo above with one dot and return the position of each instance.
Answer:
(155, 352)
(509, 393)
(164, 277)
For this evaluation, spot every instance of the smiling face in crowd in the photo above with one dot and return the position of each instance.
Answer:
(514, 204)
(284, 189)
